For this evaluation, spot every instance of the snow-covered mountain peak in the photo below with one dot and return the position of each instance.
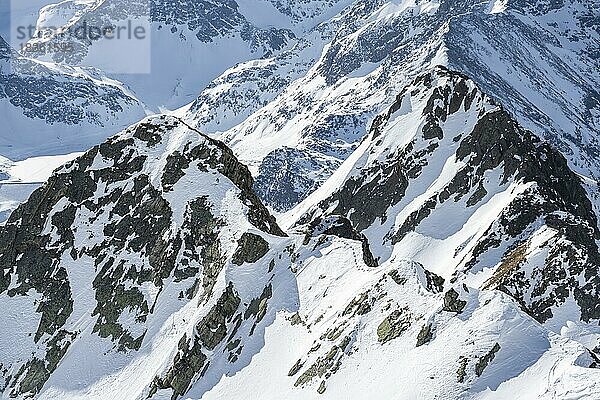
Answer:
(123, 252)
(451, 180)
(439, 158)
(316, 100)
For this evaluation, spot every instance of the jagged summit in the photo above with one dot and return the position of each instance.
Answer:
(438, 159)
(317, 99)
(123, 251)
(448, 177)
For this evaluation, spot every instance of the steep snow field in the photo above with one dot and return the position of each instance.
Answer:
(432, 165)
(532, 363)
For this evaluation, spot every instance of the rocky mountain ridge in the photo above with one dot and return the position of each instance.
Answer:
(404, 202)
(116, 243)
(449, 171)
(317, 100)
(152, 256)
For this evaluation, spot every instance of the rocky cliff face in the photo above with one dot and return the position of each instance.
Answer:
(449, 178)
(131, 244)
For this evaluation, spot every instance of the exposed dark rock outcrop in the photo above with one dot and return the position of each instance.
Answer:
(485, 360)
(251, 248)
(213, 328)
(131, 245)
(495, 145)
(394, 325)
(452, 302)
(425, 335)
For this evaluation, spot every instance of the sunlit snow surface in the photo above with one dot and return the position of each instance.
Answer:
(311, 89)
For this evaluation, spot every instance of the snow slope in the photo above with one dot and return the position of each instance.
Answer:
(336, 347)
(151, 258)
(447, 178)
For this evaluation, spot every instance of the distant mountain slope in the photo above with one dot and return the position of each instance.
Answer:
(48, 110)
(206, 37)
(315, 101)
